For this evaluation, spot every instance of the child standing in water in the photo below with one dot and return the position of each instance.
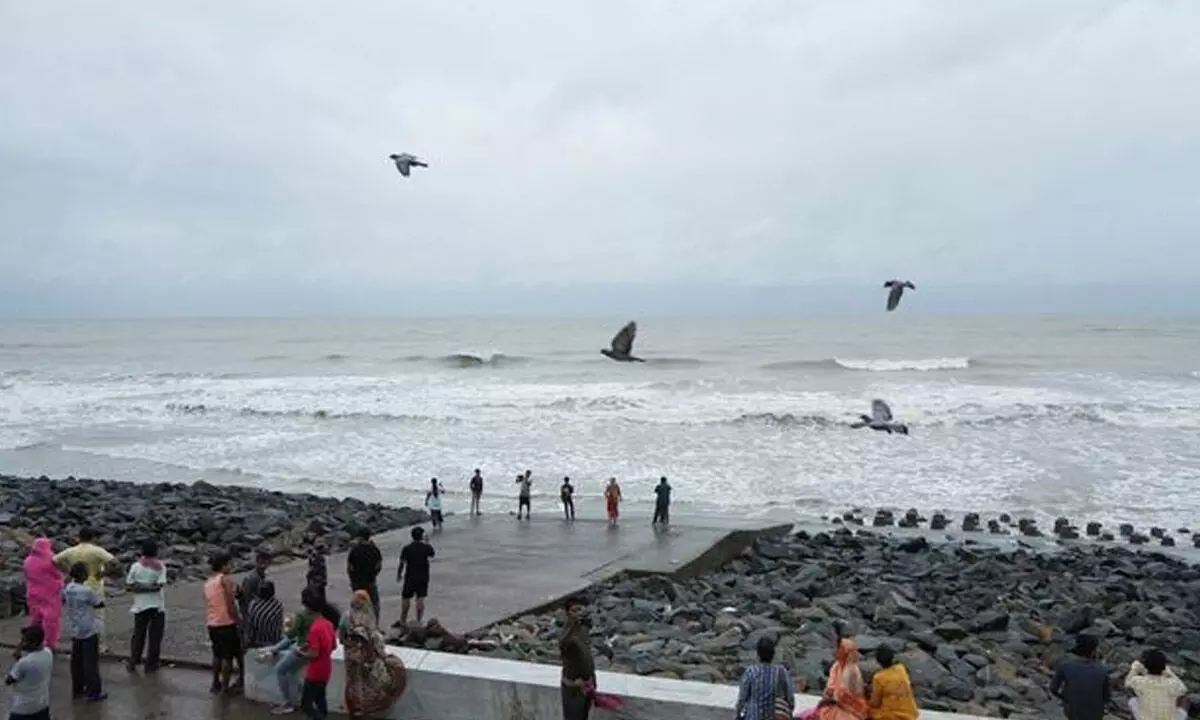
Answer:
(612, 500)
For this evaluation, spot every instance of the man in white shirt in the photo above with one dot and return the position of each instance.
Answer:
(29, 677)
(146, 579)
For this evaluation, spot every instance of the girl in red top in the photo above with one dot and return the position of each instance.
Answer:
(322, 639)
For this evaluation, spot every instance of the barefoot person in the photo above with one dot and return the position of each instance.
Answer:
(220, 614)
(476, 491)
(524, 494)
(612, 501)
(414, 574)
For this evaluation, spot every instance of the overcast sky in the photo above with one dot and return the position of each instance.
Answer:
(193, 144)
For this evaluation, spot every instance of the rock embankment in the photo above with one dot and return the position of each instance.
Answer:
(191, 523)
(980, 628)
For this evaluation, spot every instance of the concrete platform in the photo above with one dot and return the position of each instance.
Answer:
(170, 693)
(487, 569)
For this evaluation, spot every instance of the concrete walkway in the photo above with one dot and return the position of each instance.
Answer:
(487, 569)
(169, 693)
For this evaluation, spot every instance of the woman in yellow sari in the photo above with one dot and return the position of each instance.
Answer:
(375, 679)
(845, 697)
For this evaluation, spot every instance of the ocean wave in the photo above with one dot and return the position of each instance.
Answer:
(877, 365)
(465, 360)
(679, 362)
(611, 402)
(202, 409)
(782, 420)
(977, 416)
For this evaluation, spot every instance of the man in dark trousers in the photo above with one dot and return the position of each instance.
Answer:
(578, 663)
(1082, 684)
(567, 494)
(662, 502)
(363, 565)
(476, 491)
(414, 574)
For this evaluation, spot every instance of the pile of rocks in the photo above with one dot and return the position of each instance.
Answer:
(979, 627)
(1005, 524)
(191, 523)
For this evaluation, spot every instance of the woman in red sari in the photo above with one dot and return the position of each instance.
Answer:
(612, 501)
(845, 697)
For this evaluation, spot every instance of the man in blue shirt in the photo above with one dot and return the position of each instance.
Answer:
(1082, 684)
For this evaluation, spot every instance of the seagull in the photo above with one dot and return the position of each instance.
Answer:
(897, 289)
(405, 162)
(880, 419)
(622, 344)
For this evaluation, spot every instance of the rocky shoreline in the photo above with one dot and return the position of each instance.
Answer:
(191, 523)
(979, 626)
(1026, 527)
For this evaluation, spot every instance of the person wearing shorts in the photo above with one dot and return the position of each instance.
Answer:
(523, 495)
(220, 603)
(413, 573)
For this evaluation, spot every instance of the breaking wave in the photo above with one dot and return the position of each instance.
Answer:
(466, 360)
(877, 365)
(202, 409)
(977, 416)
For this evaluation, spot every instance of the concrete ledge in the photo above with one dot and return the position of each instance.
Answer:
(442, 686)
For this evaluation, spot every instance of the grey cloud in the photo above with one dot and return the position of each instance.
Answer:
(768, 141)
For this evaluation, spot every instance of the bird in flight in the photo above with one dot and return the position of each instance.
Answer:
(406, 162)
(897, 290)
(622, 344)
(880, 419)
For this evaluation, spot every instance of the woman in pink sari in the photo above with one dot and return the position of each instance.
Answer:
(43, 590)
(845, 697)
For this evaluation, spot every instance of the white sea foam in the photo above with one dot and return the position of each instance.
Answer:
(902, 365)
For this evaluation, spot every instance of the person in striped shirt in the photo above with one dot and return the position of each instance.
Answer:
(263, 621)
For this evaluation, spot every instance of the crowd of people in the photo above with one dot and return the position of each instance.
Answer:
(767, 692)
(66, 592)
(242, 617)
(566, 494)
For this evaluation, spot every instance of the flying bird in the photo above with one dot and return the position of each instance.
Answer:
(897, 289)
(880, 419)
(622, 344)
(405, 162)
